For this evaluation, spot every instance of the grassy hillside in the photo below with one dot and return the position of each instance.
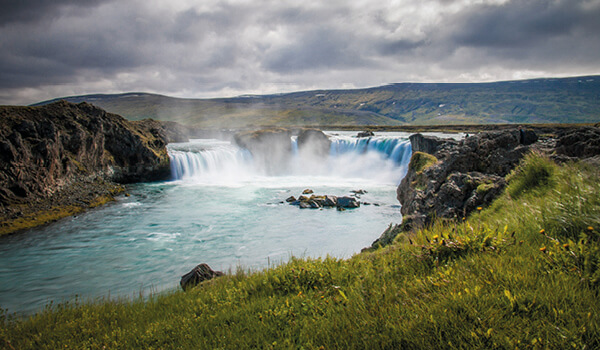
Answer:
(564, 100)
(523, 273)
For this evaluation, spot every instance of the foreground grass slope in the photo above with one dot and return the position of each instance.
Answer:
(523, 273)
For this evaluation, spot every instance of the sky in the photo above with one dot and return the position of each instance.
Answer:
(220, 48)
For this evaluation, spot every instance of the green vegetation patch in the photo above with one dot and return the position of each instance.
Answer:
(421, 161)
(535, 173)
(522, 273)
(484, 188)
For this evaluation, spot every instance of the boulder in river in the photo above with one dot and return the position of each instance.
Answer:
(347, 202)
(200, 273)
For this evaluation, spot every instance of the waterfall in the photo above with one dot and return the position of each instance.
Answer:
(382, 159)
(207, 158)
(395, 149)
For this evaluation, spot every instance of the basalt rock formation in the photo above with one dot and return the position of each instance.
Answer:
(270, 148)
(580, 143)
(68, 156)
(449, 178)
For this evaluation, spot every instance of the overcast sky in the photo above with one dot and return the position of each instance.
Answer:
(216, 48)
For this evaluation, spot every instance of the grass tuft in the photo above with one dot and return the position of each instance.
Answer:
(533, 174)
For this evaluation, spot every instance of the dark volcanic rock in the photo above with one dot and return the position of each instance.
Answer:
(426, 144)
(271, 148)
(464, 175)
(347, 202)
(314, 201)
(367, 133)
(313, 142)
(579, 143)
(527, 137)
(200, 273)
(46, 150)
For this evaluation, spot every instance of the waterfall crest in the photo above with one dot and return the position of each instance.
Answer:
(382, 159)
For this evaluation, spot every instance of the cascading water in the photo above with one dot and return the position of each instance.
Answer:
(208, 159)
(381, 159)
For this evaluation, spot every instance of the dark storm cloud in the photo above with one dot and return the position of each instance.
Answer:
(225, 47)
(34, 10)
(526, 23)
(399, 47)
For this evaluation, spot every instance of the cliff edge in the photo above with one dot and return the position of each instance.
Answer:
(58, 159)
(449, 178)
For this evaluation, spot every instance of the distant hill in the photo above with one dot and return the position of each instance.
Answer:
(553, 100)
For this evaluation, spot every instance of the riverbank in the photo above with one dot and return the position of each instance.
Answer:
(70, 201)
(522, 273)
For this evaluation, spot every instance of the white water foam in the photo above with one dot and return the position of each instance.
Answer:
(353, 161)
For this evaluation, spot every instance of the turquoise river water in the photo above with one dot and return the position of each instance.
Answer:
(220, 208)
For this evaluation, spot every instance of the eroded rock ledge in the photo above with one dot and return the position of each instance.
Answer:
(458, 176)
(57, 159)
(449, 179)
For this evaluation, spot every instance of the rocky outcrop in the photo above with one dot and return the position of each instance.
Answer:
(167, 130)
(427, 144)
(271, 148)
(199, 274)
(459, 176)
(71, 148)
(324, 201)
(367, 133)
(313, 142)
(579, 143)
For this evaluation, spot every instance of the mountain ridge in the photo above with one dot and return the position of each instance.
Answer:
(542, 100)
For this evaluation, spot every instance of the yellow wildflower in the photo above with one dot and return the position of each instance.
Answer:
(542, 231)
(590, 228)
(543, 249)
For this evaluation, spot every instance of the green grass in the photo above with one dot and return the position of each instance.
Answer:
(522, 273)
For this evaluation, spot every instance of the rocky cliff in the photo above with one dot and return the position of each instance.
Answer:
(65, 155)
(449, 179)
